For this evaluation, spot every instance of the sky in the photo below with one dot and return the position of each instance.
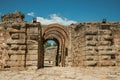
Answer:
(64, 11)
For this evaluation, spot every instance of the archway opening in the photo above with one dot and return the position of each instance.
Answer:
(51, 49)
(58, 34)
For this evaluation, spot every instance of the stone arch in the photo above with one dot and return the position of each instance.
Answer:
(58, 33)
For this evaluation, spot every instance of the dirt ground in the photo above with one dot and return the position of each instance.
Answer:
(63, 73)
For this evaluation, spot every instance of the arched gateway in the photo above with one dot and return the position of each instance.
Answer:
(59, 34)
(80, 44)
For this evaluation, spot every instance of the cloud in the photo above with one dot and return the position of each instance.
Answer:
(31, 14)
(54, 18)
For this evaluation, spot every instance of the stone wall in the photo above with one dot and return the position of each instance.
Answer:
(95, 44)
(18, 42)
(87, 44)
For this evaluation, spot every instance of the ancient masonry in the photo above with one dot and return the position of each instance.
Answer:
(80, 44)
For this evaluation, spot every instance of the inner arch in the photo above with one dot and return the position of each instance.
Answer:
(58, 34)
(51, 52)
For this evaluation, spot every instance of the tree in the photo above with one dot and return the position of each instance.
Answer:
(47, 44)
(54, 44)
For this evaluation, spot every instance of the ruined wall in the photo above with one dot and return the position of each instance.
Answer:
(87, 44)
(95, 44)
(18, 42)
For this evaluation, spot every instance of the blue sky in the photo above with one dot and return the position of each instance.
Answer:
(64, 11)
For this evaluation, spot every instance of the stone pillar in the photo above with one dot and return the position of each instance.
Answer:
(40, 49)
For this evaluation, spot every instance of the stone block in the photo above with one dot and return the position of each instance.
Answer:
(32, 47)
(34, 37)
(89, 48)
(104, 43)
(17, 57)
(31, 42)
(32, 52)
(105, 57)
(22, 47)
(16, 31)
(13, 57)
(101, 48)
(16, 52)
(14, 47)
(91, 43)
(90, 63)
(118, 63)
(89, 38)
(21, 41)
(108, 63)
(32, 30)
(91, 53)
(118, 58)
(1, 28)
(32, 57)
(106, 52)
(92, 58)
(15, 36)
(23, 35)
(31, 63)
(91, 32)
(103, 32)
(16, 63)
(2, 39)
(20, 57)
(107, 37)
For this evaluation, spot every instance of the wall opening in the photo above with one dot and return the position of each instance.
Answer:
(51, 49)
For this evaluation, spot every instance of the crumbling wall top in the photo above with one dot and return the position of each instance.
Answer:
(15, 16)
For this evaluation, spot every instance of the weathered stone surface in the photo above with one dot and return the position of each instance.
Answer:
(16, 16)
(108, 63)
(91, 63)
(32, 52)
(32, 47)
(30, 42)
(80, 44)
(32, 57)
(17, 52)
(63, 73)
(31, 63)
(15, 63)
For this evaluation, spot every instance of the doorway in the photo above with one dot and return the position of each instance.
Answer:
(59, 35)
(51, 51)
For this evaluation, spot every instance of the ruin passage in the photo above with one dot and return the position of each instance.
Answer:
(80, 44)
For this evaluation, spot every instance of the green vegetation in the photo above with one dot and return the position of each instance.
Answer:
(48, 44)
(54, 44)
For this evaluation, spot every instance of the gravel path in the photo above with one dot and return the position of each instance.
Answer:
(66, 73)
